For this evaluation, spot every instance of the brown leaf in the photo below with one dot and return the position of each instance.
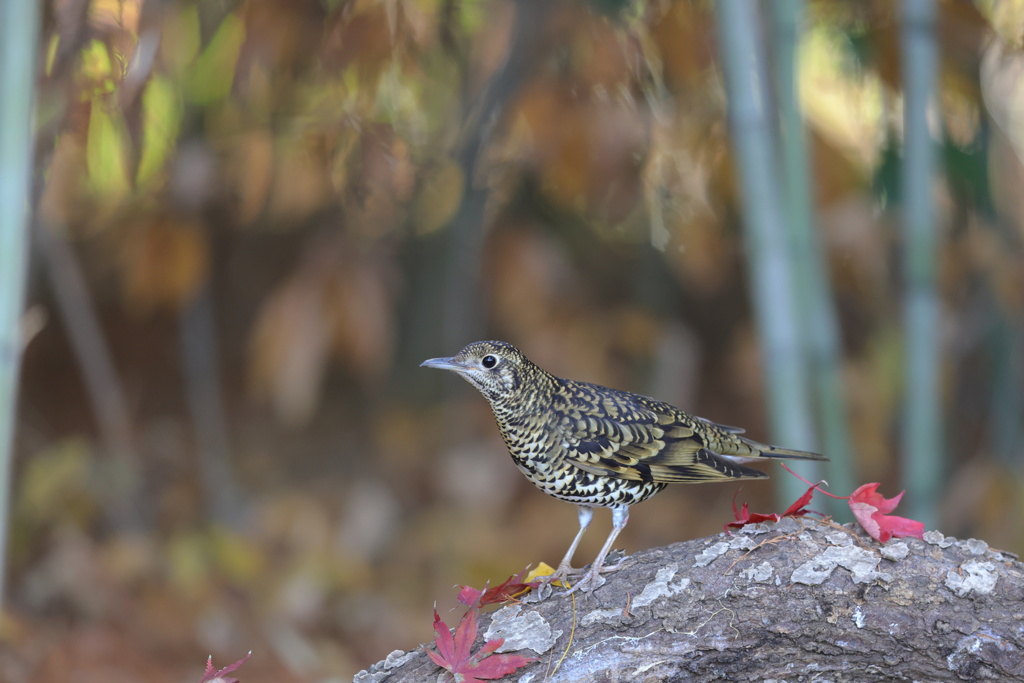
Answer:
(289, 349)
(364, 39)
(252, 171)
(361, 315)
(63, 192)
(684, 37)
(300, 186)
(439, 196)
(163, 265)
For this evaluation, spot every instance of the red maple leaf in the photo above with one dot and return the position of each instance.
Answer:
(869, 507)
(512, 588)
(871, 510)
(455, 654)
(212, 676)
(744, 516)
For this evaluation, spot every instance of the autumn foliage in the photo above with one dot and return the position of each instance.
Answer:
(253, 219)
(455, 652)
(870, 509)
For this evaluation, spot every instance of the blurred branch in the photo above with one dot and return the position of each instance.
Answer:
(814, 289)
(19, 27)
(206, 404)
(94, 358)
(463, 315)
(772, 287)
(923, 464)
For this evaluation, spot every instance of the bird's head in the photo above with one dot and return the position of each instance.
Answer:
(499, 370)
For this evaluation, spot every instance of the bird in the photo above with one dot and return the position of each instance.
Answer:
(599, 447)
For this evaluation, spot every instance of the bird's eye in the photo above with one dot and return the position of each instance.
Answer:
(489, 361)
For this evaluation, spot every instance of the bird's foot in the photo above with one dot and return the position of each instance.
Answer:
(592, 579)
(562, 574)
(609, 568)
(590, 582)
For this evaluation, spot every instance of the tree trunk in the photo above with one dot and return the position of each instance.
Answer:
(795, 601)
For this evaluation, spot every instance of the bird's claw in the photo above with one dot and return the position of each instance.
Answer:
(591, 581)
(609, 568)
(562, 575)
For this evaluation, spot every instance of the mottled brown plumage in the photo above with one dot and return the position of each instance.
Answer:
(600, 447)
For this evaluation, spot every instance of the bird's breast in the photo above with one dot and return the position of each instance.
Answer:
(529, 445)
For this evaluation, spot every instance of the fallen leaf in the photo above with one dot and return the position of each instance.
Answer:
(211, 676)
(540, 571)
(511, 588)
(744, 516)
(455, 654)
(871, 510)
(869, 507)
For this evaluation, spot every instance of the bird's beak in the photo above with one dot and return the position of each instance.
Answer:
(444, 364)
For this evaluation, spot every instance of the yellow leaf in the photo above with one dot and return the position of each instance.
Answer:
(97, 68)
(541, 571)
(51, 53)
(187, 563)
(238, 558)
(843, 104)
(55, 482)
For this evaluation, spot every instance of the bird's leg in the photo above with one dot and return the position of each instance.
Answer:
(593, 579)
(565, 566)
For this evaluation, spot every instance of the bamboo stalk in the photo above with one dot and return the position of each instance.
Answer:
(122, 503)
(1006, 411)
(772, 287)
(923, 460)
(813, 286)
(205, 399)
(19, 26)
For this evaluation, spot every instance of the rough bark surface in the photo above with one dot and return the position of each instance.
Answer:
(795, 601)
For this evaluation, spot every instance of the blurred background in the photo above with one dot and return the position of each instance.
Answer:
(253, 219)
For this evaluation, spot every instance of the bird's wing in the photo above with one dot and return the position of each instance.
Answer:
(724, 428)
(631, 437)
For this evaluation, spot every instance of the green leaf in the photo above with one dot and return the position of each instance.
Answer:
(105, 153)
(161, 122)
(209, 79)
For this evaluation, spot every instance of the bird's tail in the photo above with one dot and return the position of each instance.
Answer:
(768, 451)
